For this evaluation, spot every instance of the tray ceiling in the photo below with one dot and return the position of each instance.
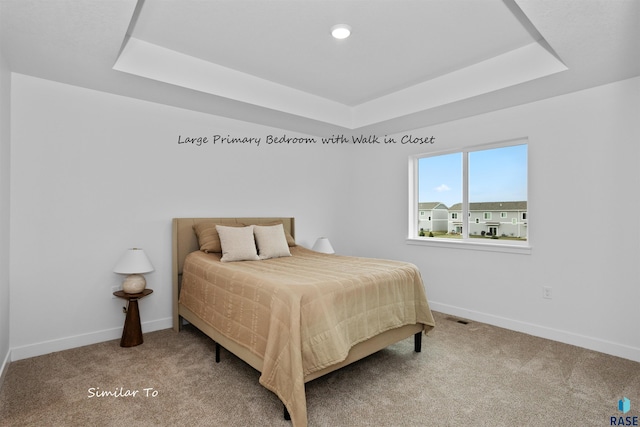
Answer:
(407, 64)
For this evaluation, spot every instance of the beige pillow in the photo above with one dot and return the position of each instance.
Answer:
(271, 241)
(237, 243)
(208, 238)
(290, 240)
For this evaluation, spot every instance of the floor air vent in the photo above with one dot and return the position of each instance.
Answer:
(457, 320)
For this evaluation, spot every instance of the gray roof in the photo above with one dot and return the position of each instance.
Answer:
(492, 206)
(431, 205)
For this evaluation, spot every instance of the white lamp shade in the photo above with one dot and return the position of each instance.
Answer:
(134, 261)
(323, 245)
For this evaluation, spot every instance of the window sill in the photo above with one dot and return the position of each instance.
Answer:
(514, 248)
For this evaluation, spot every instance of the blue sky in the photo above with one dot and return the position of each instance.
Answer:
(495, 175)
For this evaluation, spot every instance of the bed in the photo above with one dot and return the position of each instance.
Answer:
(293, 317)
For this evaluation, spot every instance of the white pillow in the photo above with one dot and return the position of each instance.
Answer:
(237, 243)
(271, 241)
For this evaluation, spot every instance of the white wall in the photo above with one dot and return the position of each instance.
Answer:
(584, 201)
(5, 135)
(94, 174)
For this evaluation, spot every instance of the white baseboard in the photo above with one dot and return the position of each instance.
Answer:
(67, 343)
(591, 343)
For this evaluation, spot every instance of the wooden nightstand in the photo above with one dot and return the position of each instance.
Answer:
(132, 332)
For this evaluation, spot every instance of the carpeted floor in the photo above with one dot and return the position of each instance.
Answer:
(466, 375)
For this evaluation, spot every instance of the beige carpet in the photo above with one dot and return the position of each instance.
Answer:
(466, 375)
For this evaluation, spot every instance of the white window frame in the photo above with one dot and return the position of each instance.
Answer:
(493, 245)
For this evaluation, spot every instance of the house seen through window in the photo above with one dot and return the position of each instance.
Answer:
(486, 185)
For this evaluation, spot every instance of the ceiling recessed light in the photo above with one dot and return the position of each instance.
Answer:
(341, 31)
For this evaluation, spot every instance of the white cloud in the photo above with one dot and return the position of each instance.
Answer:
(443, 187)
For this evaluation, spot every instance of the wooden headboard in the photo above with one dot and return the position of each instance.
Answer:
(184, 241)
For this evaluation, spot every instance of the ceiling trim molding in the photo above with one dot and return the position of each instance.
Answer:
(521, 65)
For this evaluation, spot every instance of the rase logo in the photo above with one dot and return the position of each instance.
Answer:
(624, 406)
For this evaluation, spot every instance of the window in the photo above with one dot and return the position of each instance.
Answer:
(486, 184)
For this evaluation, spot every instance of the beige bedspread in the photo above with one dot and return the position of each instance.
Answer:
(302, 313)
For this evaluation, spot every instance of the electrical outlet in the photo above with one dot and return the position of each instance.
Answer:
(114, 289)
(546, 292)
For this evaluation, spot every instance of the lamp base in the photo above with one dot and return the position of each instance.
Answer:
(134, 284)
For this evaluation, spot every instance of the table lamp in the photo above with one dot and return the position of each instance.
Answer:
(134, 263)
(323, 245)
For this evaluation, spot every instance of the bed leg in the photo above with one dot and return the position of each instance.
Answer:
(217, 353)
(286, 414)
(177, 324)
(417, 339)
